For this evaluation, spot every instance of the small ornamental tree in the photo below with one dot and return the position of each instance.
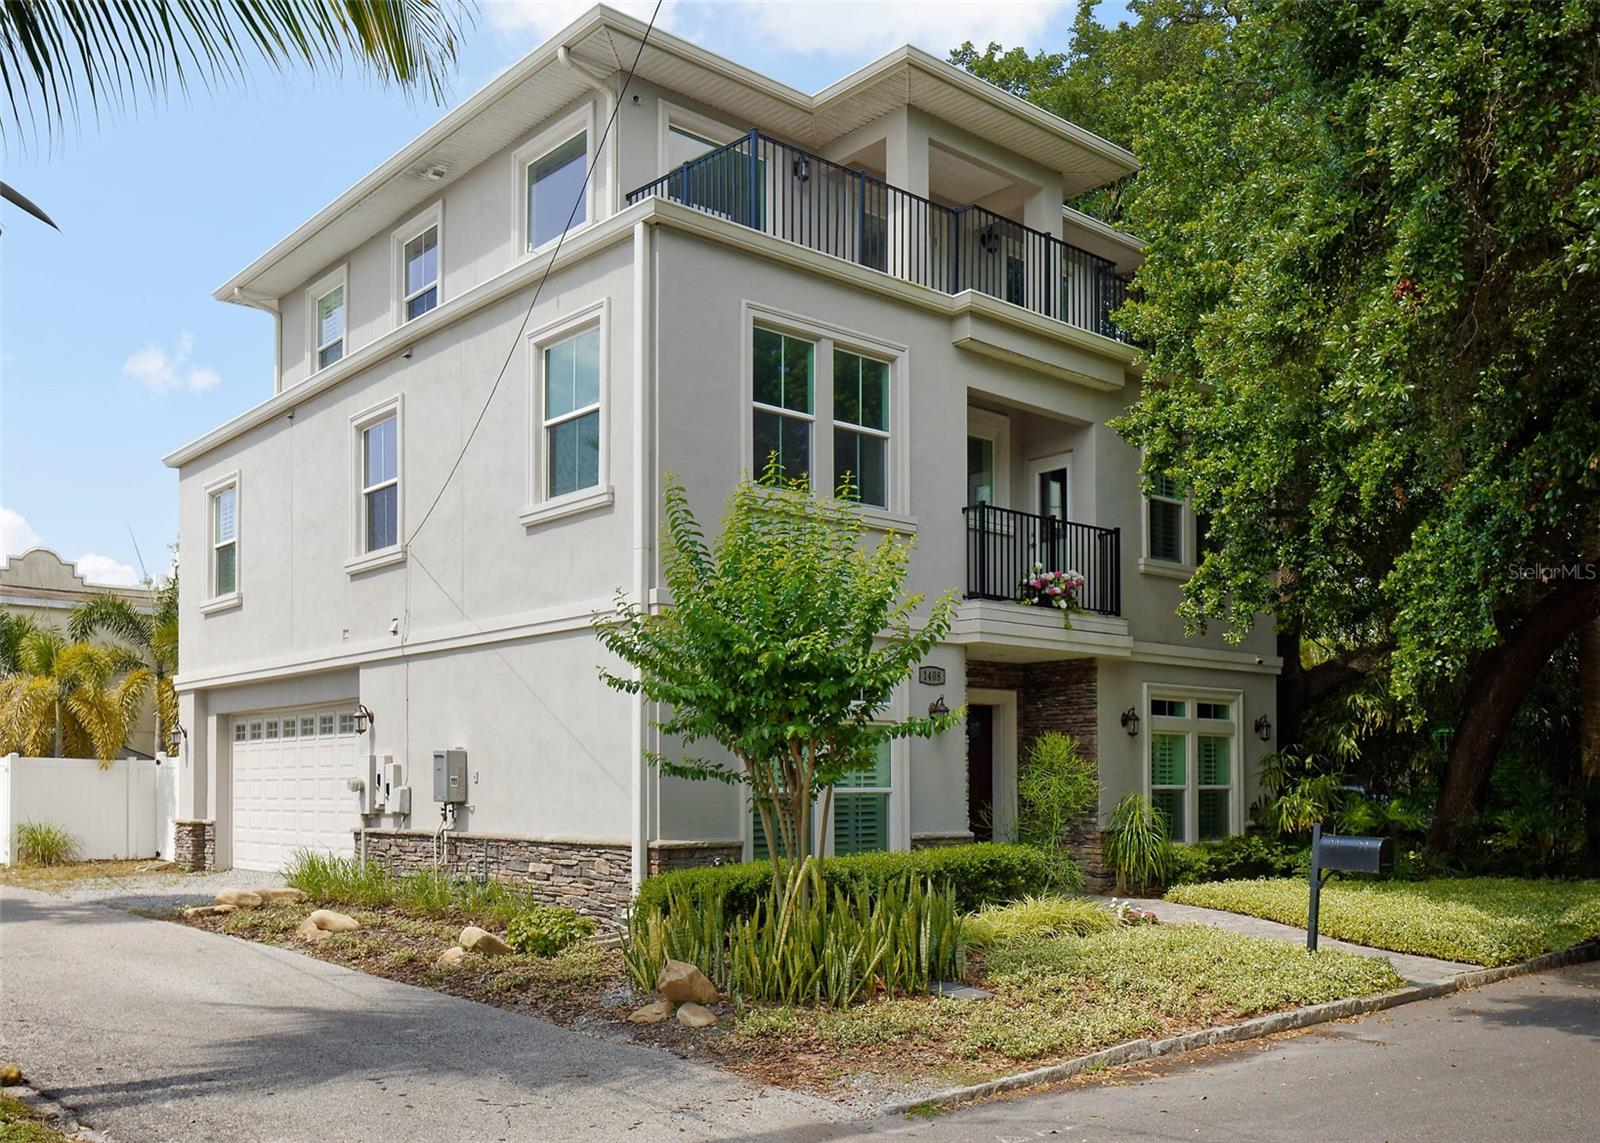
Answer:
(782, 644)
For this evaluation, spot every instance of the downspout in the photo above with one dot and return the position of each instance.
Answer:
(600, 83)
(644, 461)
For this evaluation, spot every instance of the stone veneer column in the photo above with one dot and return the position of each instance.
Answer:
(194, 845)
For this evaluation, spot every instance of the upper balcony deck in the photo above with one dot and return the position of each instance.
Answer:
(801, 197)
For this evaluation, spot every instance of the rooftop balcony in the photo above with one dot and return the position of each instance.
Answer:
(801, 197)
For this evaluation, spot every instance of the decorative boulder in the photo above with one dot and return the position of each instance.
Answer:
(652, 1013)
(482, 941)
(209, 910)
(696, 1016)
(280, 894)
(308, 931)
(242, 898)
(451, 956)
(685, 984)
(324, 922)
(10, 1075)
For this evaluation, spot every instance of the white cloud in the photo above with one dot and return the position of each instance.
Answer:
(848, 29)
(16, 534)
(163, 372)
(106, 571)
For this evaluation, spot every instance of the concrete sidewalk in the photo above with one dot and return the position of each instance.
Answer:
(1414, 969)
(149, 1030)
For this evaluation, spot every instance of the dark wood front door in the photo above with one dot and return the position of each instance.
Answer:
(980, 772)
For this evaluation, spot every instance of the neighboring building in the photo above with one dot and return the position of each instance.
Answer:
(46, 588)
(879, 278)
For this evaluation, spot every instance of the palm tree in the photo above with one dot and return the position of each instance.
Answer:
(67, 701)
(153, 636)
(55, 54)
(14, 627)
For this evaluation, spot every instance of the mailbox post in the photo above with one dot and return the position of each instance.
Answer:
(1342, 853)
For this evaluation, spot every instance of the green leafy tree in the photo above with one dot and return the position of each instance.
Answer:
(782, 644)
(151, 635)
(70, 700)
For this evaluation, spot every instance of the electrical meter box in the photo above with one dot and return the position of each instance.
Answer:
(450, 776)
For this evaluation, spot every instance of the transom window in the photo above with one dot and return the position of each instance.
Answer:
(782, 387)
(330, 323)
(1165, 540)
(420, 274)
(861, 426)
(380, 489)
(1193, 766)
(225, 541)
(556, 190)
(572, 413)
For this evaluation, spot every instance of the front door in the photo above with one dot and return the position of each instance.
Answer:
(980, 771)
(1052, 507)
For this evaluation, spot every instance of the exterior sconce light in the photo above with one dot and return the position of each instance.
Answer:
(1263, 728)
(989, 241)
(801, 169)
(1130, 722)
(937, 708)
(364, 718)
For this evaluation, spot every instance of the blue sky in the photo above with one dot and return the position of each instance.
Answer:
(112, 351)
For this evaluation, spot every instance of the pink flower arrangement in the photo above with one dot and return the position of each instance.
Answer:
(1058, 589)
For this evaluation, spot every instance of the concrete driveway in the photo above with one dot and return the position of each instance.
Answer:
(152, 1031)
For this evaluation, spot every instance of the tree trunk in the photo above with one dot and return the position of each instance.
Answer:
(1496, 686)
(1589, 722)
(1291, 687)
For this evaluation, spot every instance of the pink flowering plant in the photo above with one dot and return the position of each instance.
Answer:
(1058, 589)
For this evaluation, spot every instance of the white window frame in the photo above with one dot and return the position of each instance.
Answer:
(1188, 536)
(996, 429)
(670, 115)
(222, 602)
(1191, 726)
(360, 559)
(542, 507)
(321, 288)
(415, 227)
(826, 337)
(562, 131)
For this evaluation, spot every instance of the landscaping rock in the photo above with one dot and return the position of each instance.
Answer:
(330, 922)
(696, 1016)
(209, 910)
(308, 931)
(10, 1074)
(482, 941)
(652, 1013)
(244, 898)
(685, 984)
(280, 894)
(451, 956)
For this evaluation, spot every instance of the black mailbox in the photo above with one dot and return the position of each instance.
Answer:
(1346, 854)
(1341, 853)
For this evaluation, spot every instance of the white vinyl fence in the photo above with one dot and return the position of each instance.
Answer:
(124, 811)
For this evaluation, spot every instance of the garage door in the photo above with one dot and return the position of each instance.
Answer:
(290, 770)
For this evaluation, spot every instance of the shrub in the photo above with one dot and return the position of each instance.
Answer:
(979, 874)
(1135, 844)
(340, 880)
(1057, 787)
(545, 930)
(39, 843)
(806, 942)
(1236, 859)
(426, 893)
(1036, 917)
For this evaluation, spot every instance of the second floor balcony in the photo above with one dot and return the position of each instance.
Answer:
(804, 198)
(1004, 547)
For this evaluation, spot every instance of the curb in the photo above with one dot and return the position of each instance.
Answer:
(1135, 1050)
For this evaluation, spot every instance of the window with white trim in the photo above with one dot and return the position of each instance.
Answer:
(419, 274)
(570, 411)
(1194, 765)
(861, 426)
(861, 807)
(1164, 535)
(783, 392)
(225, 541)
(328, 322)
(556, 192)
(380, 484)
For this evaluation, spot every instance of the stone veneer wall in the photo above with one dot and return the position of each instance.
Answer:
(592, 877)
(194, 845)
(1060, 696)
(940, 840)
(669, 855)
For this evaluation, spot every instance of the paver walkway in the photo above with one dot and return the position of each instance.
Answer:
(1414, 969)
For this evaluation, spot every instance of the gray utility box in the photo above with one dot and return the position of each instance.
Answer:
(450, 776)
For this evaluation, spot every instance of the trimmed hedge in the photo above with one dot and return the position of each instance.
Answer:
(983, 874)
(1238, 858)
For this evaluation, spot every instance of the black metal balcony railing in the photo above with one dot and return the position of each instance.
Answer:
(803, 198)
(1003, 546)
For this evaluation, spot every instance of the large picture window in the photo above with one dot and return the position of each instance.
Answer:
(572, 413)
(556, 191)
(1194, 764)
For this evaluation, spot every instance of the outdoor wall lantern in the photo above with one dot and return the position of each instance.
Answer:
(1264, 728)
(1130, 722)
(364, 718)
(937, 707)
(801, 169)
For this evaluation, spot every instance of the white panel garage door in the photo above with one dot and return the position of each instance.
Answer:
(290, 770)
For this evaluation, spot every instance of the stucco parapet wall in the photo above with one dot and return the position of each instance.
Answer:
(618, 228)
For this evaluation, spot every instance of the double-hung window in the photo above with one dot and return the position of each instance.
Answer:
(380, 484)
(861, 807)
(556, 191)
(225, 541)
(1165, 512)
(571, 413)
(420, 274)
(329, 319)
(783, 392)
(1194, 764)
(861, 426)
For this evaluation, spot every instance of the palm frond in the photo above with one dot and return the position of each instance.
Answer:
(14, 627)
(58, 57)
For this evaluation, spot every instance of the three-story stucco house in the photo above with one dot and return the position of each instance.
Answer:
(464, 458)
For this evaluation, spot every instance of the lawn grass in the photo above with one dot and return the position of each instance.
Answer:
(1064, 996)
(51, 877)
(19, 1123)
(341, 882)
(1475, 920)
